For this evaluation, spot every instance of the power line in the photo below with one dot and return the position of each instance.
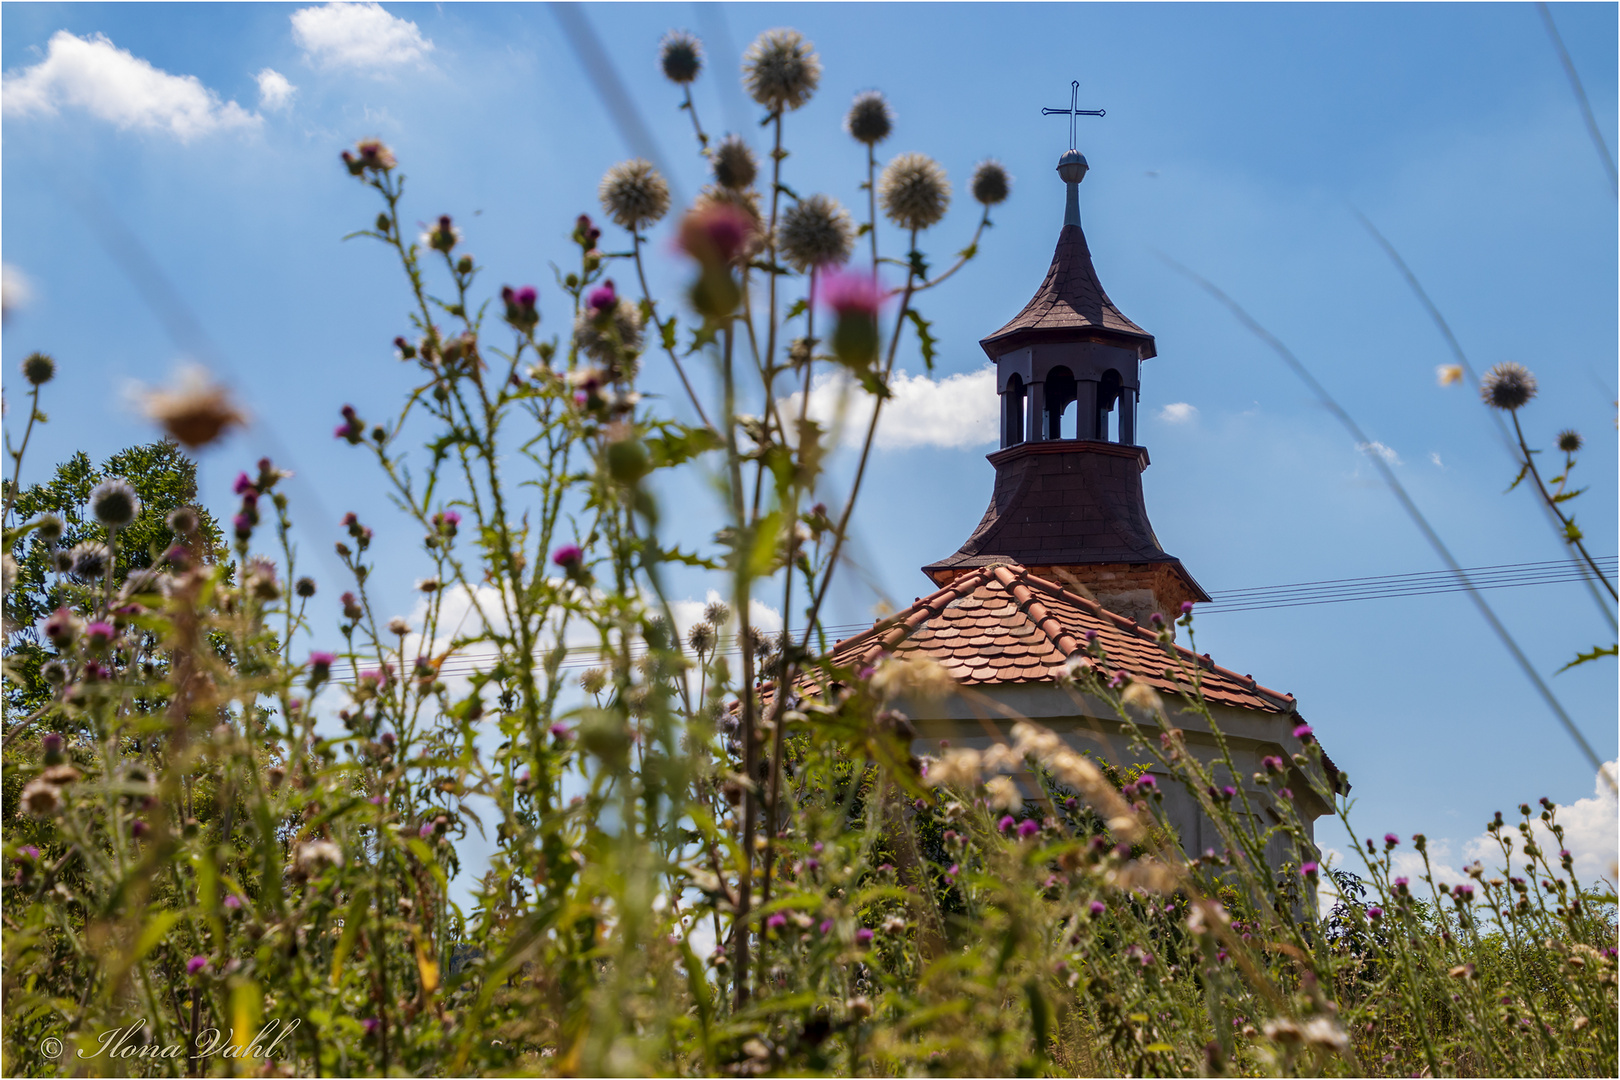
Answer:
(1225, 601)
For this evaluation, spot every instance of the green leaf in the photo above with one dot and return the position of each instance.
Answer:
(668, 332)
(925, 339)
(1598, 651)
(1571, 532)
(677, 444)
(799, 307)
(1524, 470)
(917, 264)
(1158, 1048)
(866, 226)
(763, 551)
(353, 918)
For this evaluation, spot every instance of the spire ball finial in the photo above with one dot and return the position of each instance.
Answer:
(1072, 167)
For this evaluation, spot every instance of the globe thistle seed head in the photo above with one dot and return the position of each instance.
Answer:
(183, 520)
(991, 184)
(717, 613)
(91, 559)
(53, 672)
(1570, 441)
(1507, 386)
(593, 680)
(38, 368)
(610, 336)
(781, 70)
(681, 56)
(914, 191)
(815, 232)
(114, 503)
(701, 637)
(50, 528)
(869, 119)
(304, 587)
(735, 166)
(634, 194)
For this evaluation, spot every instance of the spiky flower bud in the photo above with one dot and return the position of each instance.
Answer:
(1507, 386)
(114, 503)
(304, 587)
(1570, 441)
(781, 70)
(735, 166)
(701, 637)
(183, 520)
(681, 55)
(38, 368)
(90, 559)
(49, 528)
(593, 680)
(815, 232)
(607, 337)
(914, 192)
(634, 194)
(991, 184)
(717, 613)
(869, 119)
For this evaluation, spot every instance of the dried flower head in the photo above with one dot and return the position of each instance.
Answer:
(610, 336)
(991, 184)
(38, 368)
(1507, 386)
(183, 520)
(681, 56)
(1570, 441)
(114, 503)
(701, 637)
(1003, 793)
(196, 412)
(91, 559)
(49, 528)
(914, 191)
(40, 799)
(634, 194)
(815, 232)
(869, 118)
(317, 855)
(781, 70)
(717, 613)
(735, 166)
(916, 676)
(593, 680)
(304, 587)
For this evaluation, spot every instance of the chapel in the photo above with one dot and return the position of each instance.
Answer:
(1065, 551)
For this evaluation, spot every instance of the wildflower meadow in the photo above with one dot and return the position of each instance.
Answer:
(238, 842)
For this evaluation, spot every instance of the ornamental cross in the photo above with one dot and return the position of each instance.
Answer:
(1074, 111)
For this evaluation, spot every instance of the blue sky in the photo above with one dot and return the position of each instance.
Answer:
(1238, 139)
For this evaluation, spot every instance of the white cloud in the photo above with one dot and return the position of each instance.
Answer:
(1434, 456)
(957, 411)
(1591, 835)
(1389, 456)
(344, 35)
(1178, 412)
(275, 92)
(112, 84)
(16, 290)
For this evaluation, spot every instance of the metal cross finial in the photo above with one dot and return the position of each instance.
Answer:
(1074, 111)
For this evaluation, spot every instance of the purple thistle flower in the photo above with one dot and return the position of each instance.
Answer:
(1463, 893)
(98, 635)
(1273, 764)
(1156, 619)
(561, 732)
(1146, 782)
(243, 485)
(1303, 733)
(1285, 793)
(1229, 791)
(1097, 908)
(776, 921)
(233, 902)
(603, 297)
(1028, 828)
(567, 556)
(28, 851)
(371, 1024)
(852, 293)
(1005, 823)
(1186, 607)
(956, 868)
(196, 964)
(1375, 913)
(426, 830)
(1308, 870)
(818, 847)
(321, 660)
(1391, 840)
(825, 927)
(863, 936)
(242, 526)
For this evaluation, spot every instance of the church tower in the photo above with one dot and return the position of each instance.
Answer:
(1068, 499)
(1065, 556)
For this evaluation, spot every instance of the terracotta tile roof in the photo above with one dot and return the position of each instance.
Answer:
(1069, 300)
(1004, 624)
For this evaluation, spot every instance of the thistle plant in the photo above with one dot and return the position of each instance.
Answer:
(712, 849)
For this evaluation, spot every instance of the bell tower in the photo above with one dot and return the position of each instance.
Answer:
(1068, 499)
